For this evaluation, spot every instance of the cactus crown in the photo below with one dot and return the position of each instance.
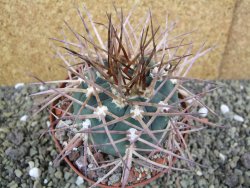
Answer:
(123, 97)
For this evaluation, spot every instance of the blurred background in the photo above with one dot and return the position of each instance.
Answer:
(26, 27)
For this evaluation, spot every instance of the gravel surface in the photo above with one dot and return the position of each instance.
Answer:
(26, 154)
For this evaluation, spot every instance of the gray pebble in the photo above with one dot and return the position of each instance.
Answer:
(16, 137)
(18, 173)
(245, 160)
(58, 174)
(16, 154)
(232, 180)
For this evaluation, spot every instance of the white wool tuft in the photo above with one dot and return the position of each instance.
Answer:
(156, 71)
(174, 81)
(35, 172)
(86, 124)
(132, 135)
(101, 111)
(165, 108)
(136, 111)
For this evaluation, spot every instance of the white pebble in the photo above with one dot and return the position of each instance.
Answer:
(224, 109)
(35, 172)
(45, 181)
(48, 123)
(238, 118)
(222, 156)
(19, 85)
(79, 181)
(203, 111)
(199, 173)
(41, 87)
(24, 118)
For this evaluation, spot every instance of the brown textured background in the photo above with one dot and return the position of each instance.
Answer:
(26, 25)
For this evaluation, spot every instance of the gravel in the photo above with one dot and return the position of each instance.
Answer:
(225, 152)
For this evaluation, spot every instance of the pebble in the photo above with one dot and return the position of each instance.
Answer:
(45, 181)
(16, 137)
(19, 85)
(79, 180)
(115, 178)
(35, 172)
(199, 173)
(16, 154)
(203, 111)
(238, 118)
(67, 175)
(31, 164)
(184, 183)
(18, 173)
(37, 184)
(58, 174)
(222, 157)
(24, 118)
(245, 160)
(224, 109)
(42, 88)
(232, 180)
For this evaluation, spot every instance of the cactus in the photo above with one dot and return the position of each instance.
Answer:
(125, 98)
(111, 106)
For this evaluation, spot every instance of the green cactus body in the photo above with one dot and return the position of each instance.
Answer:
(159, 123)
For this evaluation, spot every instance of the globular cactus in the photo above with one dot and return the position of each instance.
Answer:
(125, 98)
(120, 107)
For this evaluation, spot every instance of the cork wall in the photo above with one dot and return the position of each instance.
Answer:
(236, 58)
(27, 25)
